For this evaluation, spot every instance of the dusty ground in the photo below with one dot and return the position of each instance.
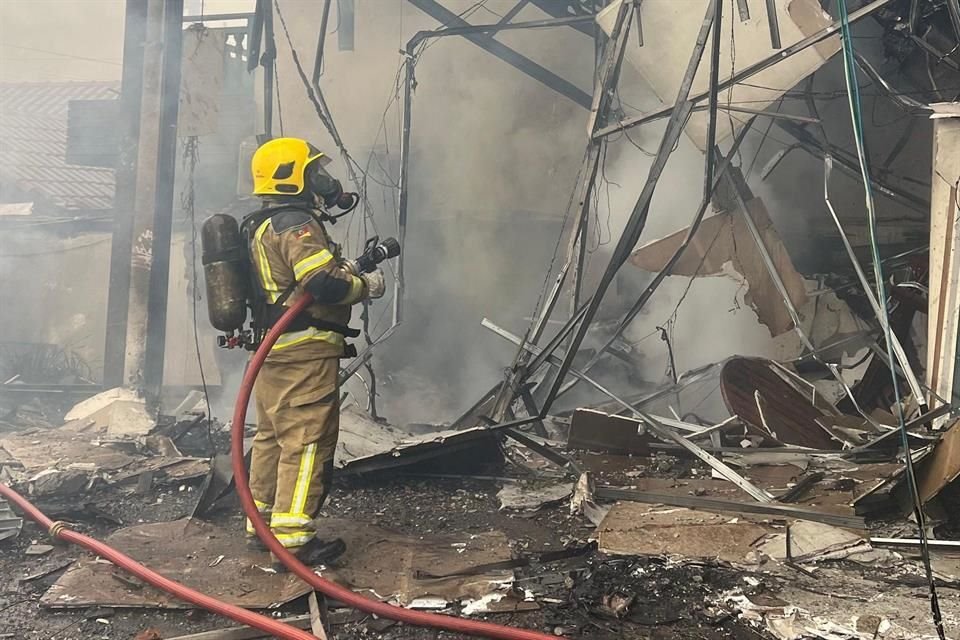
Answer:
(670, 599)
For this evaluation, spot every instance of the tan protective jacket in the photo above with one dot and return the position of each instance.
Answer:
(293, 246)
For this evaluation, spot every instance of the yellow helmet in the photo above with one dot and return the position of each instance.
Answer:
(279, 166)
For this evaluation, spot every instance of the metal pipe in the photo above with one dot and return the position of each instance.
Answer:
(774, 24)
(908, 103)
(403, 181)
(495, 27)
(750, 71)
(321, 41)
(714, 81)
(760, 112)
(638, 217)
(953, 8)
(269, 66)
(671, 263)
(896, 345)
(744, 10)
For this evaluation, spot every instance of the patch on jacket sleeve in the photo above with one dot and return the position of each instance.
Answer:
(292, 219)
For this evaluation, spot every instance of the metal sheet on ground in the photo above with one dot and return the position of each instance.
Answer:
(636, 529)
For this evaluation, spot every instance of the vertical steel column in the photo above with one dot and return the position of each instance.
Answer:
(163, 204)
(118, 294)
(154, 193)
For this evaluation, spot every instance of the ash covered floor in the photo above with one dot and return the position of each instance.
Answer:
(671, 598)
(679, 583)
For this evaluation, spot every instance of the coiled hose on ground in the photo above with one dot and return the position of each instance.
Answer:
(327, 588)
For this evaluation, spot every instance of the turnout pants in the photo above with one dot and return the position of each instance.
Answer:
(298, 421)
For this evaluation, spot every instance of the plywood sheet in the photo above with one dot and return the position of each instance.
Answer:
(942, 466)
(184, 551)
(598, 431)
(637, 529)
(379, 562)
(52, 450)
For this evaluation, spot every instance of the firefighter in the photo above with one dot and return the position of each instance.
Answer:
(297, 391)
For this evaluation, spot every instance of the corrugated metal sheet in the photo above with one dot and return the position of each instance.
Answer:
(10, 524)
(33, 142)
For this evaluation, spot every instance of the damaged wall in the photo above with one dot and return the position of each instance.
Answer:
(494, 156)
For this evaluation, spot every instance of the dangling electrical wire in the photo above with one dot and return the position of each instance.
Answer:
(188, 201)
(856, 116)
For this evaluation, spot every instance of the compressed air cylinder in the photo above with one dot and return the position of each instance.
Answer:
(226, 272)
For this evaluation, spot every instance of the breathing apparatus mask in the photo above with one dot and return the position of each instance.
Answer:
(329, 191)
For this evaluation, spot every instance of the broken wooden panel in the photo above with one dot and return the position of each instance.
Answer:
(724, 240)
(392, 566)
(366, 445)
(53, 449)
(942, 466)
(635, 529)
(597, 431)
(790, 415)
(531, 496)
(943, 321)
(186, 551)
(809, 539)
(670, 29)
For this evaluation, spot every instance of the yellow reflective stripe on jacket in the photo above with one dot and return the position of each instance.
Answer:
(299, 337)
(270, 286)
(312, 263)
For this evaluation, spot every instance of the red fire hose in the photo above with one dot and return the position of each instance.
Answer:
(59, 530)
(329, 589)
(249, 618)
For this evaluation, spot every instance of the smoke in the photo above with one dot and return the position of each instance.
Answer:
(494, 160)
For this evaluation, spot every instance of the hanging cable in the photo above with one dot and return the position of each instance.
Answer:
(188, 199)
(856, 117)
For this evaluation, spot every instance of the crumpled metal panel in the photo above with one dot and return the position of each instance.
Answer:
(10, 524)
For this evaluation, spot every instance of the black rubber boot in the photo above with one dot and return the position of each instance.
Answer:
(315, 552)
(256, 544)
